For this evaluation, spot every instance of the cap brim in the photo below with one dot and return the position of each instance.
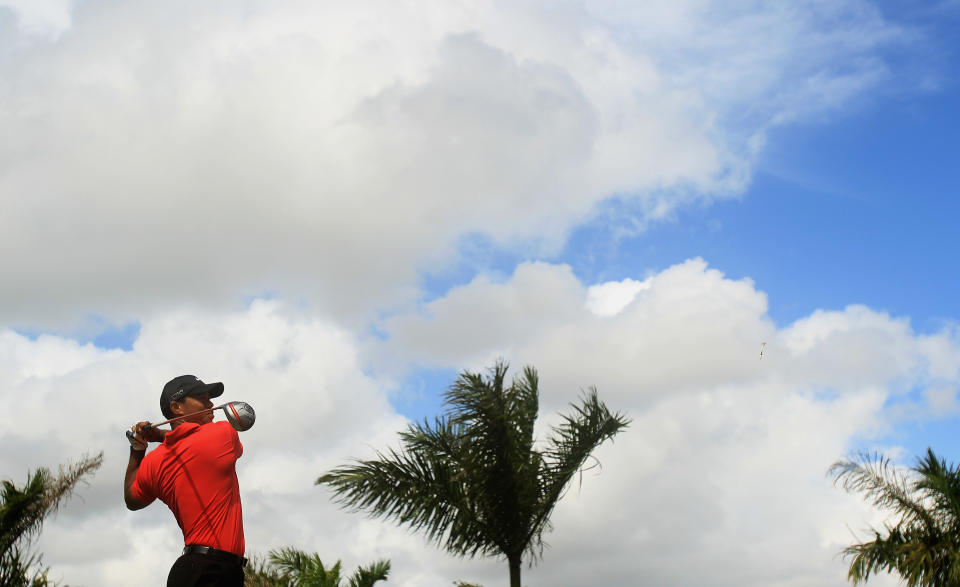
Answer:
(214, 389)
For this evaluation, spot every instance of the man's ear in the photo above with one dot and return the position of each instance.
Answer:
(176, 408)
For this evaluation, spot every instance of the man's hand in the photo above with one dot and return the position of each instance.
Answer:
(140, 434)
(135, 436)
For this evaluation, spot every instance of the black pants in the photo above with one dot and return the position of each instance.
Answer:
(202, 570)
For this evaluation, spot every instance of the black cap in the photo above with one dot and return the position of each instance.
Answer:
(180, 387)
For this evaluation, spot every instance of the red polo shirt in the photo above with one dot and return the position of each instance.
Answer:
(194, 472)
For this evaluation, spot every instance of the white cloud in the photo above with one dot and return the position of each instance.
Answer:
(47, 18)
(314, 407)
(608, 299)
(163, 162)
(721, 479)
(195, 153)
(723, 323)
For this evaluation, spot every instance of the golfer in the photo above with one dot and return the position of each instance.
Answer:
(193, 471)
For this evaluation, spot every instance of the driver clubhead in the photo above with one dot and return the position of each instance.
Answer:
(240, 415)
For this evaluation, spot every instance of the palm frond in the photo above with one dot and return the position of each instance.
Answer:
(417, 489)
(473, 480)
(882, 484)
(19, 569)
(292, 562)
(878, 555)
(939, 483)
(292, 567)
(23, 510)
(923, 545)
(260, 572)
(569, 446)
(497, 428)
(371, 574)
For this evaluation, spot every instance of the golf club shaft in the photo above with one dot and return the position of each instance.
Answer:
(220, 407)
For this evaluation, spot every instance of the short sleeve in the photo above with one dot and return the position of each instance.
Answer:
(227, 434)
(144, 484)
(237, 445)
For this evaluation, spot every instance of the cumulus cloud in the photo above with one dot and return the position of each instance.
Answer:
(160, 155)
(545, 313)
(166, 164)
(608, 299)
(314, 406)
(45, 18)
(721, 478)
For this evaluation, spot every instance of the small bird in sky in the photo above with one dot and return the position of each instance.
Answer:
(762, 346)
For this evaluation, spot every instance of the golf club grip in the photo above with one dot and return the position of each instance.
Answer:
(149, 426)
(130, 434)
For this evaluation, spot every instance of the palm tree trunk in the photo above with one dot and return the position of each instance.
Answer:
(514, 562)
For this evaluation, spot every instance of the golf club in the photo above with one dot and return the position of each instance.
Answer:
(240, 415)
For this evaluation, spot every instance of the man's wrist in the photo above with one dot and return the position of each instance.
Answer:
(136, 444)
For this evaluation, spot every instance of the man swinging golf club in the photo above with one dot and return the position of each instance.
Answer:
(193, 471)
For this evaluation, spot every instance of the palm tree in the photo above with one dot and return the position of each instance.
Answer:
(23, 511)
(290, 567)
(922, 545)
(474, 482)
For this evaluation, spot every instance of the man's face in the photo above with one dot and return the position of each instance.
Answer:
(193, 404)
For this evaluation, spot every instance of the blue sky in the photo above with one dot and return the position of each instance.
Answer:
(336, 210)
(858, 208)
(856, 211)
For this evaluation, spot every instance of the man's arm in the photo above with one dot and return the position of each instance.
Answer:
(138, 449)
(133, 465)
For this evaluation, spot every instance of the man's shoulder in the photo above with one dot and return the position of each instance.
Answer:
(156, 454)
(152, 460)
(219, 429)
(222, 426)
